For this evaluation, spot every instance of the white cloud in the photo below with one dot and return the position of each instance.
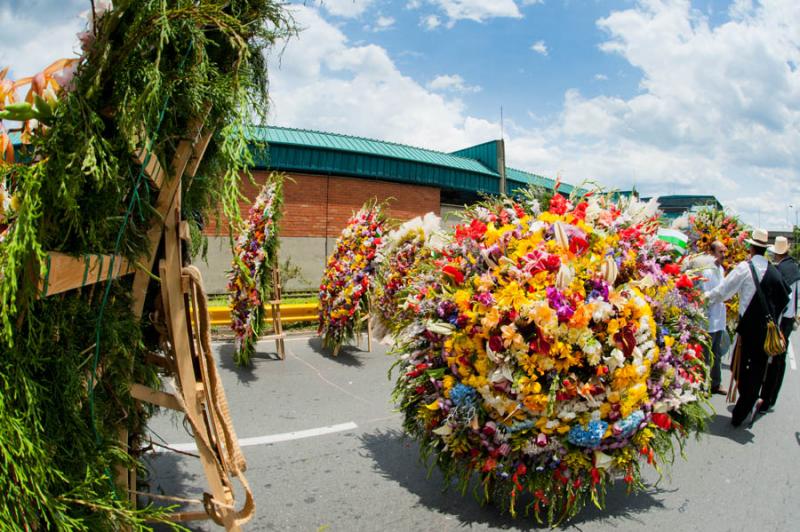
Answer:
(384, 22)
(430, 22)
(532, 2)
(325, 82)
(539, 47)
(600, 77)
(452, 83)
(346, 8)
(476, 10)
(30, 45)
(716, 113)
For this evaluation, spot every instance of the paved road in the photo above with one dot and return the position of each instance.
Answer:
(368, 477)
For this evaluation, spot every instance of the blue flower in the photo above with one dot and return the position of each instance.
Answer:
(463, 395)
(628, 426)
(588, 437)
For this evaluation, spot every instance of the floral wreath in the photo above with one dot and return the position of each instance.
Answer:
(255, 256)
(348, 277)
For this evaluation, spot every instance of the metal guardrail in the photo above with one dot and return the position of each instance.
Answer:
(290, 313)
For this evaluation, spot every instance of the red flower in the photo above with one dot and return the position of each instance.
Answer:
(558, 204)
(453, 272)
(595, 476)
(671, 269)
(663, 421)
(684, 282)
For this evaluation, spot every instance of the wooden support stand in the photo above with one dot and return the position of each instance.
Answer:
(189, 360)
(274, 302)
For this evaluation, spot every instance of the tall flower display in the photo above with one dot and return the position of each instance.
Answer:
(549, 353)
(406, 248)
(348, 277)
(709, 225)
(255, 255)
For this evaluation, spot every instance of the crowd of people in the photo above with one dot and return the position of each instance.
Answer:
(768, 294)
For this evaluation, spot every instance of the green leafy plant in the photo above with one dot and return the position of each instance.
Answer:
(149, 68)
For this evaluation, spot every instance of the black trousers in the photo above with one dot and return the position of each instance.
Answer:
(716, 350)
(751, 376)
(776, 368)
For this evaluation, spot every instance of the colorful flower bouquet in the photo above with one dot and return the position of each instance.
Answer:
(255, 255)
(550, 353)
(405, 249)
(709, 225)
(347, 281)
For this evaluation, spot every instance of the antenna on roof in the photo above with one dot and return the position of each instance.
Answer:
(502, 137)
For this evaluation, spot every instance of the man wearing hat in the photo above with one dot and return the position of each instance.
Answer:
(751, 364)
(790, 271)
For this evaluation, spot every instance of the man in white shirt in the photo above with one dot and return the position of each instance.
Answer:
(716, 316)
(791, 276)
(750, 364)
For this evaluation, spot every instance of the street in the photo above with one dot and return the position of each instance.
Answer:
(325, 451)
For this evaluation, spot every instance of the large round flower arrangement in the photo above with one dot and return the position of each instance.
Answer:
(552, 352)
(347, 281)
(255, 255)
(405, 249)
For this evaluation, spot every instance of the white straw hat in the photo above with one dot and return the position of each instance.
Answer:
(759, 238)
(781, 246)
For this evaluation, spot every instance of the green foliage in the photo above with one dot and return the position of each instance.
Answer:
(68, 360)
(795, 252)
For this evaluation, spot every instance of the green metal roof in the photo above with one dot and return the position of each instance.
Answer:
(346, 143)
(468, 170)
(523, 178)
(486, 153)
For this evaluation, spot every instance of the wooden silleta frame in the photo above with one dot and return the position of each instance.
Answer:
(183, 314)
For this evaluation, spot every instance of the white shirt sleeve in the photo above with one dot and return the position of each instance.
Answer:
(730, 284)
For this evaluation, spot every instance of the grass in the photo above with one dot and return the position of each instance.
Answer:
(222, 300)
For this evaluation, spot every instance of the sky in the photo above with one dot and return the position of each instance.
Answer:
(667, 96)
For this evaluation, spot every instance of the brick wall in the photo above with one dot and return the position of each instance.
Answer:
(317, 206)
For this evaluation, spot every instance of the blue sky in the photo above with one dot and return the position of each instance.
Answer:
(670, 96)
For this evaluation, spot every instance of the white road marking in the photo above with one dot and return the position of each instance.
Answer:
(792, 362)
(275, 438)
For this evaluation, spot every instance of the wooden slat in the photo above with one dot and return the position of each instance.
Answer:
(198, 153)
(155, 397)
(67, 272)
(170, 270)
(153, 170)
(166, 197)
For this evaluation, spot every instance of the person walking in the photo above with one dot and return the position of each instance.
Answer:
(746, 279)
(716, 317)
(790, 271)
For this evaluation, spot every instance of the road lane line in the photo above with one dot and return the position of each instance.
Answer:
(275, 438)
(792, 362)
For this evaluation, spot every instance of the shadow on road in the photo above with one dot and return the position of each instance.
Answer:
(396, 457)
(167, 475)
(347, 354)
(721, 426)
(246, 375)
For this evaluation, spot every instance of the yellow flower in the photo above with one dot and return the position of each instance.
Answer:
(491, 319)
(511, 337)
(511, 296)
(433, 406)
(461, 298)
